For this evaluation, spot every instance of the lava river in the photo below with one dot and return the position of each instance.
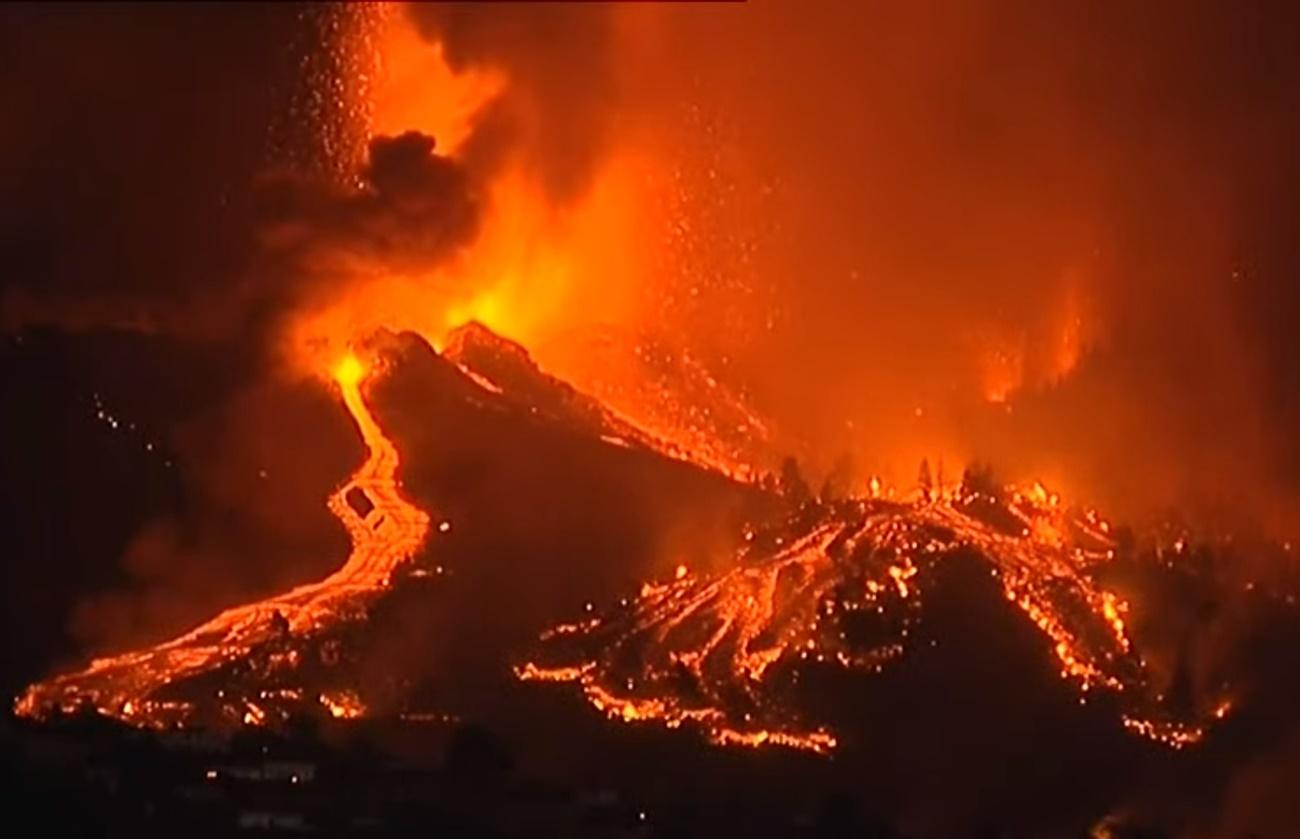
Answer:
(386, 531)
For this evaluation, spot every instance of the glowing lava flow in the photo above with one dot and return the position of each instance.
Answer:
(841, 585)
(264, 653)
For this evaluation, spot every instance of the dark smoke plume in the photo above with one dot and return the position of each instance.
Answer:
(415, 207)
(562, 82)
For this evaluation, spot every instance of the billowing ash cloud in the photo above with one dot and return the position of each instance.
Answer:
(562, 83)
(414, 209)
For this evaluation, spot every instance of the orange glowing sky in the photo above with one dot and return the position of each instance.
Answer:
(902, 290)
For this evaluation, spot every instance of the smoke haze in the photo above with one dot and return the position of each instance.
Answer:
(1052, 239)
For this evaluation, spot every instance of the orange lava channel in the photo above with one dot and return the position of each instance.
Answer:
(125, 686)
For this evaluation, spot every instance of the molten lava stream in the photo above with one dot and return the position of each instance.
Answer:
(721, 651)
(388, 534)
(391, 532)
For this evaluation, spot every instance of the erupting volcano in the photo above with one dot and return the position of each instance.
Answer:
(543, 387)
(820, 584)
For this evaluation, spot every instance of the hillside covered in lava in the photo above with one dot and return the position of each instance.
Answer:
(912, 637)
(537, 471)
